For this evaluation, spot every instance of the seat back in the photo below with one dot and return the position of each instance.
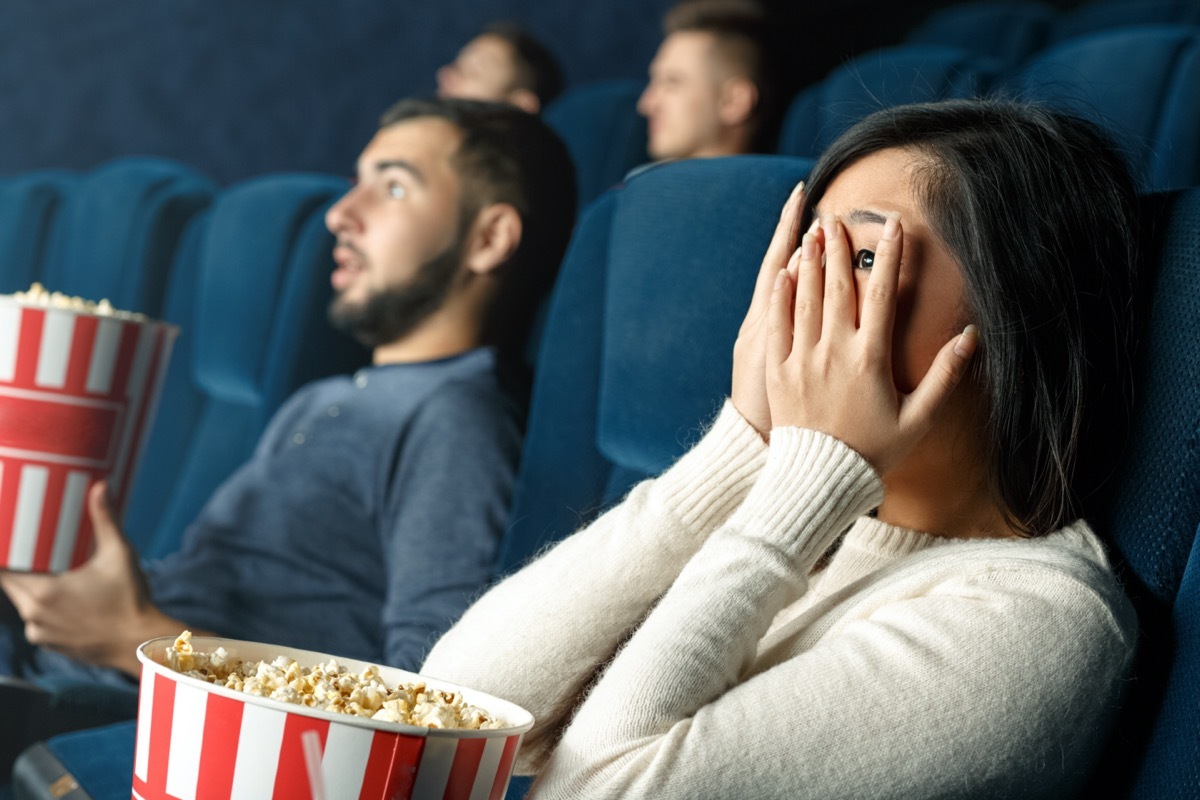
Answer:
(638, 345)
(1105, 15)
(118, 229)
(1006, 30)
(251, 301)
(1141, 83)
(29, 204)
(1153, 524)
(879, 79)
(603, 131)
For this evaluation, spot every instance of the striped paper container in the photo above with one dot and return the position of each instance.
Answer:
(200, 740)
(77, 394)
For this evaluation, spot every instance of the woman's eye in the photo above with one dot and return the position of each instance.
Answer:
(396, 191)
(864, 259)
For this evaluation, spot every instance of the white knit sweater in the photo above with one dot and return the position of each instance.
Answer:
(910, 666)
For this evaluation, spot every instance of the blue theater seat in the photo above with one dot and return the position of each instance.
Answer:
(251, 293)
(28, 206)
(1101, 15)
(603, 131)
(118, 228)
(1007, 30)
(1143, 83)
(878, 79)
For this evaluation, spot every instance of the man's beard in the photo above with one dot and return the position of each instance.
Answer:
(392, 313)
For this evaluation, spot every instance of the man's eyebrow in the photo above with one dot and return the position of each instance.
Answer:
(399, 163)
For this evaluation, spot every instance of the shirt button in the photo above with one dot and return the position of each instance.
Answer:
(334, 411)
(360, 380)
(297, 438)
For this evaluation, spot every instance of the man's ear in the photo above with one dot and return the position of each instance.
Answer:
(525, 100)
(495, 236)
(739, 96)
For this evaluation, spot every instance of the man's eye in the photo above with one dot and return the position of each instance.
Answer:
(396, 191)
(864, 259)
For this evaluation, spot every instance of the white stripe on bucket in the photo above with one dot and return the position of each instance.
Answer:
(141, 756)
(436, 761)
(347, 749)
(488, 762)
(104, 356)
(55, 352)
(187, 738)
(69, 515)
(30, 496)
(10, 337)
(259, 744)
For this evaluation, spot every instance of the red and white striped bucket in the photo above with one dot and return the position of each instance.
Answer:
(203, 741)
(77, 394)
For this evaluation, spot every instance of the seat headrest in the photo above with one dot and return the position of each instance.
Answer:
(686, 245)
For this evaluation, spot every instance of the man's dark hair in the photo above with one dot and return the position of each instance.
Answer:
(1039, 210)
(537, 68)
(746, 39)
(509, 156)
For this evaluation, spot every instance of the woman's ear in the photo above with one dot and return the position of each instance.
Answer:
(495, 236)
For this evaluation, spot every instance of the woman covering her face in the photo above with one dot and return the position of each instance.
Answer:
(870, 578)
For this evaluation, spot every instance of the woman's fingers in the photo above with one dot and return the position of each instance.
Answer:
(918, 409)
(810, 288)
(879, 303)
(840, 300)
(779, 321)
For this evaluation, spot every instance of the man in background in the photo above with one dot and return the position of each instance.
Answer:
(504, 64)
(714, 83)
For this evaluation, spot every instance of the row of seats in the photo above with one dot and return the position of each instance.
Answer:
(243, 271)
(1141, 82)
(657, 274)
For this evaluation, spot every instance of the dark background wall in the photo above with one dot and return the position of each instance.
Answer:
(240, 87)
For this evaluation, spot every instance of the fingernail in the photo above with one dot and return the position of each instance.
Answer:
(829, 225)
(816, 224)
(780, 279)
(966, 341)
(808, 246)
(892, 226)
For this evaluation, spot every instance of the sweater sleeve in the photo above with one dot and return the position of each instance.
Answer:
(444, 512)
(951, 692)
(539, 635)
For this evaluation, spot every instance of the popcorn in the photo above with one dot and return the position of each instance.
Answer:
(330, 687)
(37, 295)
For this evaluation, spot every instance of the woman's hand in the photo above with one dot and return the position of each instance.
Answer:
(829, 374)
(749, 392)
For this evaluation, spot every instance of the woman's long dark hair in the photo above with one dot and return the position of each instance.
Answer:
(1038, 208)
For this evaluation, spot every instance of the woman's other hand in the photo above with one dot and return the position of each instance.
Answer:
(827, 372)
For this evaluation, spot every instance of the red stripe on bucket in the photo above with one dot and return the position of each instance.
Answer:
(162, 716)
(83, 339)
(10, 483)
(126, 350)
(218, 756)
(139, 424)
(51, 510)
(291, 778)
(392, 766)
(504, 769)
(462, 771)
(84, 538)
(31, 344)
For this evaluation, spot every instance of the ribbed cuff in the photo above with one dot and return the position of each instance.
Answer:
(809, 491)
(705, 486)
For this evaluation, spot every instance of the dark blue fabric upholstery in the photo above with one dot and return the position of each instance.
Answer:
(638, 343)
(881, 78)
(254, 325)
(28, 205)
(1101, 15)
(1142, 83)
(603, 131)
(1153, 523)
(1007, 30)
(118, 229)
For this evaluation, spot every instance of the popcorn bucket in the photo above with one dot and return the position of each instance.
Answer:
(200, 740)
(77, 393)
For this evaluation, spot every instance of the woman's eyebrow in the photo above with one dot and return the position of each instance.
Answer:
(862, 216)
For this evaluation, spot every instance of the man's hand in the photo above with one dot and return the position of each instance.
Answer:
(99, 612)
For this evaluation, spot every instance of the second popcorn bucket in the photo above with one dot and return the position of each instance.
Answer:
(200, 740)
(78, 391)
